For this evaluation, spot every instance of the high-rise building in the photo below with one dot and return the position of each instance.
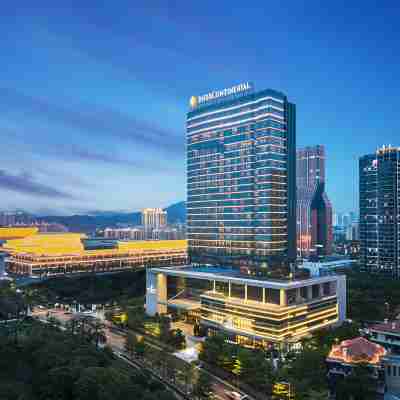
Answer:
(153, 218)
(241, 178)
(352, 232)
(347, 220)
(241, 222)
(335, 219)
(314, 210)
(380, 212)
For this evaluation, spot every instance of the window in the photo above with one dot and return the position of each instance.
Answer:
(389, 370)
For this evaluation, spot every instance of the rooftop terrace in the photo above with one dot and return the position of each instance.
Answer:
(225, 274)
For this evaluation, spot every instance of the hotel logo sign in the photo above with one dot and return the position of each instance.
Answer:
(216, 94)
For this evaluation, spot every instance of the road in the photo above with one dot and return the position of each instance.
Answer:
(116, 340)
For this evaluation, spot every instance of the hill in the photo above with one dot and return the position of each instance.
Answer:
(100, 220)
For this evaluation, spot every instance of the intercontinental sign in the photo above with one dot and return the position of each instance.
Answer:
(216, 94)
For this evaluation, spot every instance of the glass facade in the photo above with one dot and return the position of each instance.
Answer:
(241, 181)
(265, 321)
(314, 210)
(379, 211)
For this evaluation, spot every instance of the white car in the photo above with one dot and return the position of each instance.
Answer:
(235, 395)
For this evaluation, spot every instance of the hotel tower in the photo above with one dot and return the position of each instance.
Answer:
(241, 161)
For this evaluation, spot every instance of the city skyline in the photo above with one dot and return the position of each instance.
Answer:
(83, 111)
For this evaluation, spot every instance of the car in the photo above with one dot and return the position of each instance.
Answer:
(234, 395)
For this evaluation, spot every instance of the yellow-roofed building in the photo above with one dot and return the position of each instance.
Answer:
(65, 253)
(17, 233)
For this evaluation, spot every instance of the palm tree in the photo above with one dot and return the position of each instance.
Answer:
(189, 377)
(130, 343)
(30, 299)
(96, 331)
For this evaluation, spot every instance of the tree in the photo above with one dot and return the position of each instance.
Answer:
(211, 349)
(256, 370)
(177, 339)
(53, 321)
(136, 318)
(308, 370)
(189, 376)
(102, 384)
(130, 343)
(359, 385)
(237, 368)
(140, 348)
(165, 328)
(202, 387)
(72, 326)
(96, 332)
(317, 394)
(52, 364)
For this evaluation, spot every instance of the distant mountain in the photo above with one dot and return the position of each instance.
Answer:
(100, 220)
(176, 212)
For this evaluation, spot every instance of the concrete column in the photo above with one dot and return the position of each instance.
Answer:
(283, 298)
(151, 293)
(309, 292)
(263, 295)
(214, 286)
(229, 289)
(298, 296)
(245, 292)
(162, 293)
(332, 288)
(321, 290)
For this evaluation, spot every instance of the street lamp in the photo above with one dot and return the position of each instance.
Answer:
(387, 305)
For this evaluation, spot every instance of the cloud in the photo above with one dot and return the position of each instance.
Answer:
(26, 184)
(98, 121)
(77, 153)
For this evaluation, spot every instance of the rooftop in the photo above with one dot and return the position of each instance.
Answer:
(358, 350)
(17, 233)
(225, 274)
(70, 244)
(390, 327)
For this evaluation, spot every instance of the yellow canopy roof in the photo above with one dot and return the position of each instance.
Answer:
(64, 244)
(17, 233)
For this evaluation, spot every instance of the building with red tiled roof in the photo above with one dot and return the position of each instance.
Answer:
(345, 356)
(358, 350)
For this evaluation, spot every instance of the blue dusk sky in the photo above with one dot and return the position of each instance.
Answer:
(94, 93)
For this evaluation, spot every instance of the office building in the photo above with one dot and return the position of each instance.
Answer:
(44, 255)
(314, 210)
(249, 310)
(352, 232)
(241, 160)
(379, 211)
